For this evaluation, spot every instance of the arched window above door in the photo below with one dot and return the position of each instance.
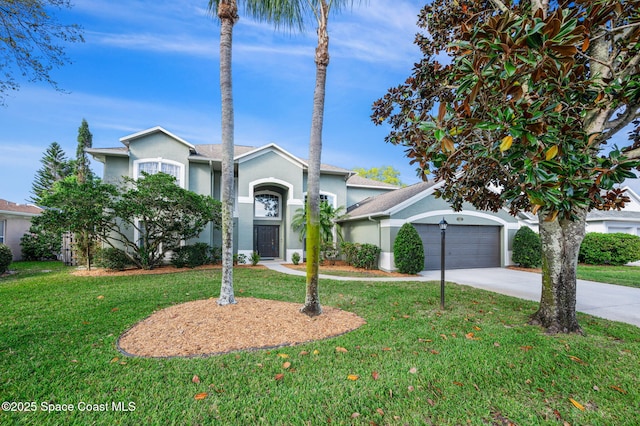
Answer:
(267, 205)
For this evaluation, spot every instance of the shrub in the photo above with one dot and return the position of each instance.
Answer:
(216, 254)
(113, 259)
(408, 252)
(5, 258)
(527, 249)
(295, 258)
(240, 259)
(361, 255)
(609, 249)
(349, 250)
(191, 256)
(255, 258)
(40, 243)
(330, 253)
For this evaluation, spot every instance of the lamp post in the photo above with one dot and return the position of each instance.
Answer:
(443, 227)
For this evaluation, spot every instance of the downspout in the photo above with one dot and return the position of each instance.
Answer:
(371, 219)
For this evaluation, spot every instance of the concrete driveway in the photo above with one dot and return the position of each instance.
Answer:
(613, 302)
(608, 301)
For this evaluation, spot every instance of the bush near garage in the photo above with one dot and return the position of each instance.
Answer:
(527, 249)
(408, 251)
(609, 249)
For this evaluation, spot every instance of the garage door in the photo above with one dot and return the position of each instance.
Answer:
(467, 246)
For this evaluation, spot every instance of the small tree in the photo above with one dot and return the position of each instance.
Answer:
(5, 258)
(161, 215)
(408, 251)
(527, 249)
(82, 208)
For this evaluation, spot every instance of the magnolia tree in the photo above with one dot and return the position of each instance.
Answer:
(514, 106)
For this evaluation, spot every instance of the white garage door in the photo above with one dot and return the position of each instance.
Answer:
(466, 246)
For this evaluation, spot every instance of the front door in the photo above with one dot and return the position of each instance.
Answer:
(266, 240)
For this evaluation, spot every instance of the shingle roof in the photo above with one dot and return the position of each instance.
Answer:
(8, 206)
(381, 204)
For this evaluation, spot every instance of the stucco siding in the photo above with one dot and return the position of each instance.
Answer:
(200, 178)
(357, 194)
(115, 168)
(269, 167)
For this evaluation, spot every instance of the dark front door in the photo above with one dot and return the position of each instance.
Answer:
(266, 240)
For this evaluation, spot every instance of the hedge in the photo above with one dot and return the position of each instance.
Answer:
(609, 249)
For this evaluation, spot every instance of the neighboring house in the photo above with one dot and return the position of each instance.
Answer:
(271, 185)
(15, 221)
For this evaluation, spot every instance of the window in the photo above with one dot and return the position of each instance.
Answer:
(154, 165)
(2, 226)
(267, 205)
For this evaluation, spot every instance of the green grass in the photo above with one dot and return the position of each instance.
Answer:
(57, 346)
(621, 275)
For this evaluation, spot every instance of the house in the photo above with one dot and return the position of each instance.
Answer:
(15, 221)
(270, 186)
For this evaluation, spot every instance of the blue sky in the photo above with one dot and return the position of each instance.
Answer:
(146, 64)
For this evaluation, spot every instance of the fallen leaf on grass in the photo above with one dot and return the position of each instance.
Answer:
(200, 396)
(379, 411)
(413, 370)
(386, 349)
(286, 365)
(614, 387)
(279, 376)
(353, 377)
(195, 379)
(577, 404)
(458, 384)
(444, 336)
(526, 348)
(375, 375)
(100, 297)
(410, 389)
(316, 352)
(116, 359)
(115, 309)
(355, 415)
(341, 349)
(283, 356)
(470, 336)
(476, 328)
(303, 353)
(576, 359)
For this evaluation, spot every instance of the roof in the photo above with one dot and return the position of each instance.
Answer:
(25, 209)
(613, 215)
(357, 180)
(384, 204)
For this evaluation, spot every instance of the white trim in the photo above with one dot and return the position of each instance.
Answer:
(127, 139)
(254, 183)
(272, 147)
(462, 213)
(160, 161)
(385, 261)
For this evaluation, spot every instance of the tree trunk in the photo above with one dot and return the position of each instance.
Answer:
(228, 13)
(561, 239)
(312, 300)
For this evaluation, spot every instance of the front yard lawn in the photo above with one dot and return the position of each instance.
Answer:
(478, 362)
(621, 275)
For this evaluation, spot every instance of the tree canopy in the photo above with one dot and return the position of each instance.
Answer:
(31, 41)
(387, 174)
(513, 105)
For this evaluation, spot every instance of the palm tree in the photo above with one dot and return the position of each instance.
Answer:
(320, 9)
(278, 12)
(328, 217)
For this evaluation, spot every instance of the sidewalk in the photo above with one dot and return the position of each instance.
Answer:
(613, 302)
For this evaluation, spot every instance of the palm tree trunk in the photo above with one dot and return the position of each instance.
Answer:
(561, 240)
(312, 300)
(228, 13)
